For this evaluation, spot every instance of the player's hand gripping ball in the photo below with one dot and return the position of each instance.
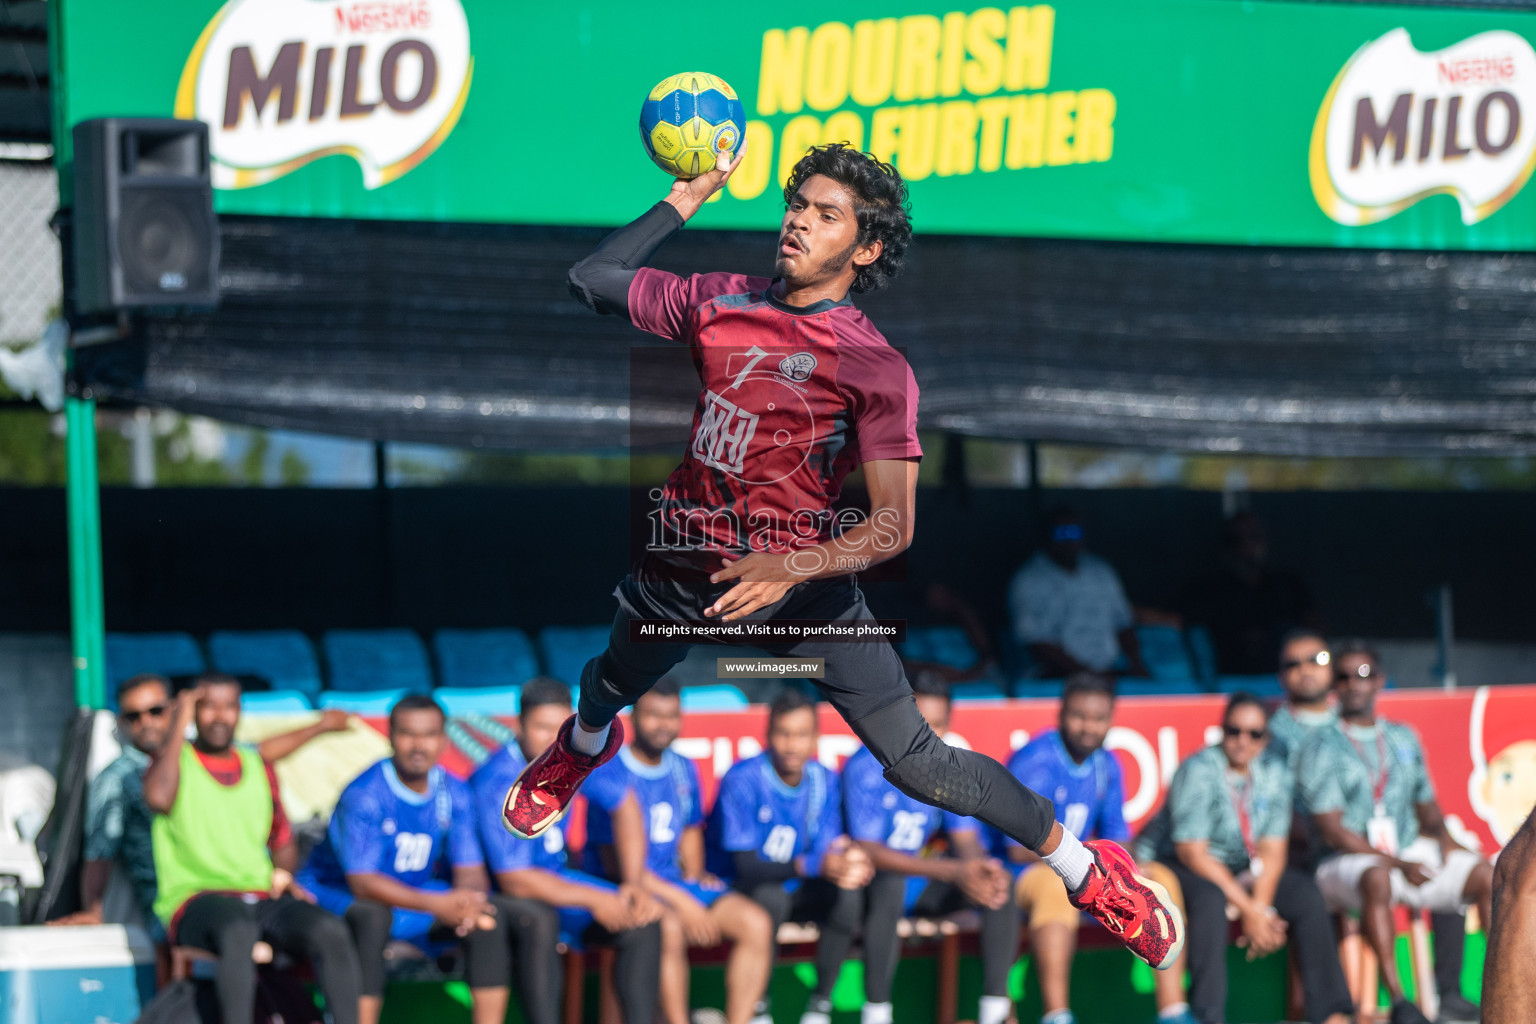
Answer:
(691, 121)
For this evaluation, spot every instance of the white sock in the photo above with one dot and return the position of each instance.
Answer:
(1056, 1017)
(589, 743)
(1070, 860)
(1170, 1012)
(994, 1010)
(815, 1017)
(877, 1013)
(762, 1018)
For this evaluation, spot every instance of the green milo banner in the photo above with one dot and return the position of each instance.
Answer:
(1156, 120)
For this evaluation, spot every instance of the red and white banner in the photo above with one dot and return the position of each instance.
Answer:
(1481, 747)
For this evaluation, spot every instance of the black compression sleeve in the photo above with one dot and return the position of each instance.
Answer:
(601, 281)
(752, 870)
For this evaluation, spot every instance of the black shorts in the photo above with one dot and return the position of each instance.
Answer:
(862, 675)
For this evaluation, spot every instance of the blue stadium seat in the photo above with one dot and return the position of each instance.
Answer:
(167, 654)
(941, 645)
(468, 658)
(1037, 689)
(275, 702)
(1163, 650)
(1154, 688)
(376, 659)
(1260, 686)
(479, 700)
(567, 649)
(362, 702)
(723, 697)
(979, 689)
(1202, 654)
(284, 657)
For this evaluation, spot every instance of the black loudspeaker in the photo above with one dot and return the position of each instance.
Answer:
(144, 229)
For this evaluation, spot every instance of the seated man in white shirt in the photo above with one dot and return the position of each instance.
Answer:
(1068, 609)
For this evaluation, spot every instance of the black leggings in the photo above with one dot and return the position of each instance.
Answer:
(864, 681)
(526, 926)
(229, 927)
(834, 911)
(1310, 930)
(636, 969)
(882, 947)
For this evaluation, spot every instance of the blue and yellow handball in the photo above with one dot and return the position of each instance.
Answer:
(691, 121)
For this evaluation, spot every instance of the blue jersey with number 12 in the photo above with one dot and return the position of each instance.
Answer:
(670, 798)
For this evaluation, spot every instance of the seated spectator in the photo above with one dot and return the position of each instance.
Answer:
(1306, 675)
(1383, 838)
(894, 829)
(401, 860)
(117, 821)
(1071, 766)
(591, 910)
(1509, 972)
(1068, 608)
(1247, 605)
(1224, 831)
(775, 834)
(224, 858)
(649, 798)
(1356, 658)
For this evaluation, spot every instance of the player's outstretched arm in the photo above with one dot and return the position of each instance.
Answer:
(601, 281)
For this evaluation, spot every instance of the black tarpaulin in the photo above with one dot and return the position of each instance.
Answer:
(466, 335)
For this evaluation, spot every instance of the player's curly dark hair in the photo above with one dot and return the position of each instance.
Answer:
(880, 201)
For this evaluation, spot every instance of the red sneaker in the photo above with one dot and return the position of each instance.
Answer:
(1137, 910)
(544, 789)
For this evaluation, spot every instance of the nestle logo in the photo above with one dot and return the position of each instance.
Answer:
(1477, 69)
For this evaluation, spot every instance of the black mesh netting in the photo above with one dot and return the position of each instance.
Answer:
(465, 335)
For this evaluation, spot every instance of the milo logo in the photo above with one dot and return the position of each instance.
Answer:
(1398, 125)
(284, 82)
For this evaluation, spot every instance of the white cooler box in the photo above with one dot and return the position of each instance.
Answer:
(91, 975)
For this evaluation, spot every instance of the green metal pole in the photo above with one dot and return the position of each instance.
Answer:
(83, 499)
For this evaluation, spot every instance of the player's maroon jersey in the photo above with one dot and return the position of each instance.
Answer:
(792, 400)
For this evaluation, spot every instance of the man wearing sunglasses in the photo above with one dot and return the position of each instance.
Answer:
(1306, 674)
(116, 818)
(117, 821)
(1366, 786)
(1224, 833)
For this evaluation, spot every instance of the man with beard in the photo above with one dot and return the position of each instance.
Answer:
(1087, 789)
(649, 799)
(776, 834)
(224, 858)
(591, 910)
(401, 860)
(1306, 673)
(895, 830)
(117, 821)
(797, 389)
(1356, 658)
(1365, 785)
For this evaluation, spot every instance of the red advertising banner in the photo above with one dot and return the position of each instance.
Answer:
(1480, 744)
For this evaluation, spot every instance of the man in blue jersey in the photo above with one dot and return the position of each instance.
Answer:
(1070, 766)
(401, 861)
(649, 799)
(776, 834)
(591, 910)
(895, 829)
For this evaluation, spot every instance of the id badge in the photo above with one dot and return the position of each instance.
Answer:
(1256, 867)
(1381, 833)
